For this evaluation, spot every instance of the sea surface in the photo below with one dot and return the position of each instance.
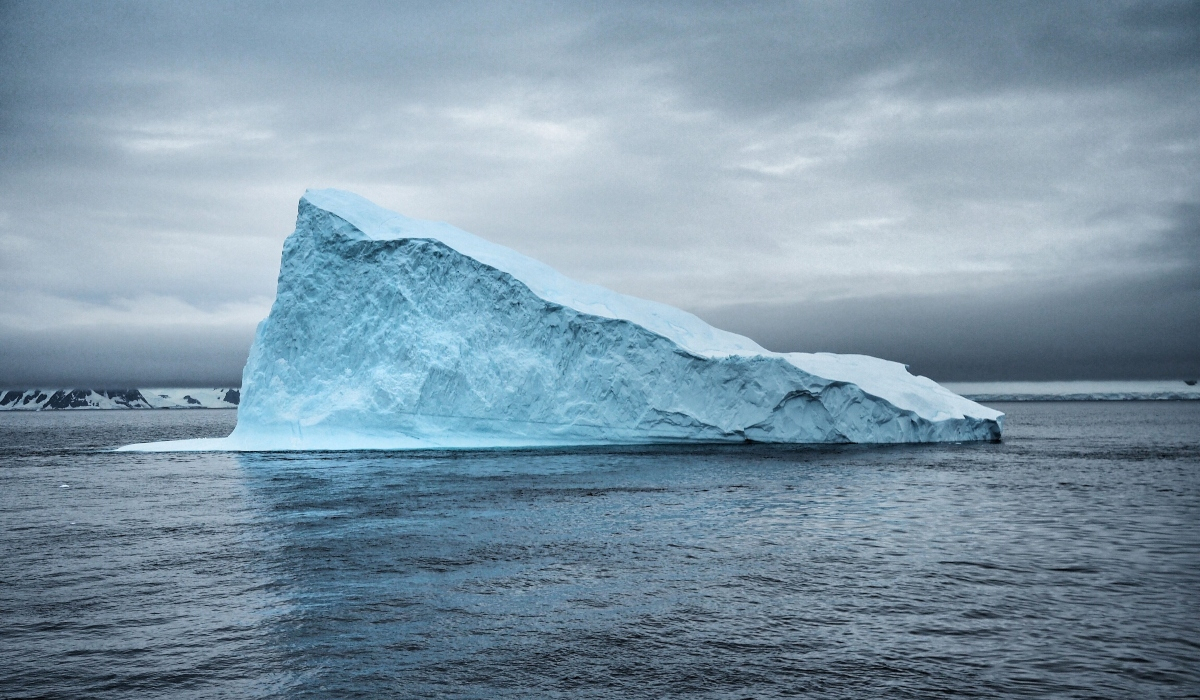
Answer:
(1064, 561)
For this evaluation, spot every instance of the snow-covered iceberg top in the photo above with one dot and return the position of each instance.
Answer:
(391, 332)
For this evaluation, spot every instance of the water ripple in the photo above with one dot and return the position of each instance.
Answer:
(1064, 561)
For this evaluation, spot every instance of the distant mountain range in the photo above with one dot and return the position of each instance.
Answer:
(84, 399)
(1163, 390)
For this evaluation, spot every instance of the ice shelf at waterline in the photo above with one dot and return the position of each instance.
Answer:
(394, 333)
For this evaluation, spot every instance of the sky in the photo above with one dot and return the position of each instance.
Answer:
(984, 191)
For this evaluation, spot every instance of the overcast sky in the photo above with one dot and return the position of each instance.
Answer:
(999, 190)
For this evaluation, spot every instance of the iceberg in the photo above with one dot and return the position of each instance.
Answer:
(395, 333)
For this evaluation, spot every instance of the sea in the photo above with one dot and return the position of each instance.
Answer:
(1063, 561)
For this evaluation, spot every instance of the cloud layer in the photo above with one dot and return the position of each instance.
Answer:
(787, 170)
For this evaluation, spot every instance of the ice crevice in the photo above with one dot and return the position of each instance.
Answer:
(394, 333)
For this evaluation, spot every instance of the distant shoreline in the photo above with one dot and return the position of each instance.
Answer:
(1152, 390)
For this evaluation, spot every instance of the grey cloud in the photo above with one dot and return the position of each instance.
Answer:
(1181, 240)
(782, 155)
(778, 54)
(768, 54)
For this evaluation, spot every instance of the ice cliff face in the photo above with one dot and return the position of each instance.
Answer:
(389, 332)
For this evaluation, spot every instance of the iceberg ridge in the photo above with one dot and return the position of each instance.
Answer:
(394, 333)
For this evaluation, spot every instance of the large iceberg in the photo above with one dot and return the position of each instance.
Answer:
(395, 333)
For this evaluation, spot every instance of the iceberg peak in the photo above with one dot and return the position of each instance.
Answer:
(373, 222)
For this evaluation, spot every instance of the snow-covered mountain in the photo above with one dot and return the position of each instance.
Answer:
(67, 399)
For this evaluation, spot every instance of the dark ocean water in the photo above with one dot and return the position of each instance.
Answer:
(1063, 562)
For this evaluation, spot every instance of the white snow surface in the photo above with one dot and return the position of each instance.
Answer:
(393, 333)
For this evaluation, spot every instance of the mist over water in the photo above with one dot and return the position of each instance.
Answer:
(1064, 560)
